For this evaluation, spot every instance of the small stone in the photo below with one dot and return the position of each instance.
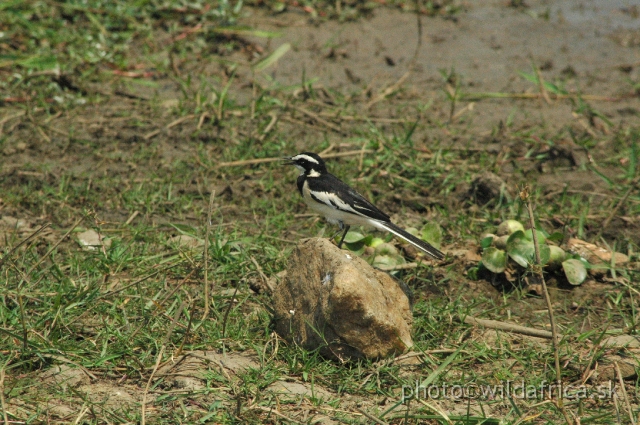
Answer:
(341, 305)
(91, 240)
(488, 187)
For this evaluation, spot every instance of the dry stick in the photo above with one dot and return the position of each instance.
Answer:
(174, 320)
(371, 417)
(327, 150)
(2, 401)
(509, 327)
(501, 95)
(206, 257)
(186, 334)
(168, 126)
(275, 412)
(405, 266)
(437, 409)
(24, 241)
(55, 246)
(132, 217)
(226, 313)
(624, 394)
(524, 195)
(262, 275)
(622, 200)
(269, 127)
(146, 390)
(319, 119)
(543, 90)
(336, 116)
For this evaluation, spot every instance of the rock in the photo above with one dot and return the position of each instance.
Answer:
(64, 376)
(186, 242)
(596, 256)
(332, 300)
(488, 187)
(91, 240)
(621, 341)
(190, 371)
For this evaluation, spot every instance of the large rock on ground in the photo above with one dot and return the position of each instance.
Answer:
(333, 300)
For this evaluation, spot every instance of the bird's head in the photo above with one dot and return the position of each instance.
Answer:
(309, 164)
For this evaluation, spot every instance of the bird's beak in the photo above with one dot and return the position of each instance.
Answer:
(288, 160)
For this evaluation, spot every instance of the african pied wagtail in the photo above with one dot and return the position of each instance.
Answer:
(342, 205)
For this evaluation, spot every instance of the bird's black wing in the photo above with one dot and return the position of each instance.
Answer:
(333, 192)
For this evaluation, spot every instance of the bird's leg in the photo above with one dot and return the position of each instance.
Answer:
(346, 229)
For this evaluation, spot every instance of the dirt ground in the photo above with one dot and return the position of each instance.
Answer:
(592, 47)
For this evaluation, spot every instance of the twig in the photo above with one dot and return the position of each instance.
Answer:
(226, 313)
(622, 200)
(186, 334)
(525, 196)
(262, 275)
(437, 409)
(509, 327)
(2, 401)
(388, 90)
(424, 353)
(146, 390)
(201, 120)
(275, 412)
(543, 90)
(319, 119)
(371, 417)
(499, 95)
(132, 217)
(24, 241)
(372, 119)
(406, 266)
(269, 127)
(55, 246)
(624, 394)
(174, 320)
(168, 126)
(206, 257)
(325, 152)
(9, 118)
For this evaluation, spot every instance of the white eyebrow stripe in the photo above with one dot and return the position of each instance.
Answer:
(307, 157)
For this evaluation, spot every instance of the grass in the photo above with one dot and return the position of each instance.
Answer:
(112, 311)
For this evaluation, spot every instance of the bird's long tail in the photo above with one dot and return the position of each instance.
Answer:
(418, 243)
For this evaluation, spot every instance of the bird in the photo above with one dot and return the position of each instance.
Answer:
(342, 205)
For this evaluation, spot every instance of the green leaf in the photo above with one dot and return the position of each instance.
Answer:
(386, 249)
(352, 237)
(272, 58)
(494, 259)
(557, 256)
(386, 261)
(472, 273)
(486, 242)
(41, 63)
(246, 32)
(432, 233)
(375, 242)
(357, 248)
(542, 237)
(575, 271)
(522, 251)
(556, 237)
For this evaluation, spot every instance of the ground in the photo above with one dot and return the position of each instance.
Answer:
(119, 123)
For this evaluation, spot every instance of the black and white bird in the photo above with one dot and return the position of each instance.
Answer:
(342, 205)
